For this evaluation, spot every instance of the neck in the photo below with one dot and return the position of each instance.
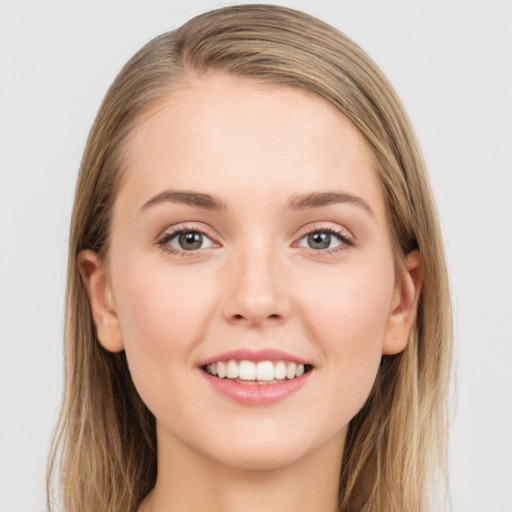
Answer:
(188, 480)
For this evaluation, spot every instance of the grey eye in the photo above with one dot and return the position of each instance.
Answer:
(187, 240)
(190, 241)
(321, 240)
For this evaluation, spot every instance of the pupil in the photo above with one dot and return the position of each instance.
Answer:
(319, 240)
(190, 241)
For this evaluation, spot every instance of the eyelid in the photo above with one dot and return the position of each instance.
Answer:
(327, 226)
(345, 236)
(171, 232)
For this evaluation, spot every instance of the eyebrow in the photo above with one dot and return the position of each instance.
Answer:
(205, 201)
(296, 202)
(318, 199)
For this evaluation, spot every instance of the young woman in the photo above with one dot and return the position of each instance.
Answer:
(257, 308)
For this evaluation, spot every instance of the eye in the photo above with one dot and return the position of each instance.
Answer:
(325, 240)
(185, 240)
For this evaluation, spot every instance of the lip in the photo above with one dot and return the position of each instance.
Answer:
(256, 394)
(255, 355)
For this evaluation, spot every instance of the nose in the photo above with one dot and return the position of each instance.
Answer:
(256, 293)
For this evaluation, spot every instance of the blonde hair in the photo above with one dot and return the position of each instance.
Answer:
(106, 443)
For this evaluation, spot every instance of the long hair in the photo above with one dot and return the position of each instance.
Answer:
(105, 446)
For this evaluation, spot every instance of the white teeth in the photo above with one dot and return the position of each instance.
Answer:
(247, 370)
(290, 370)
(263, 371)
(232, 370)
(279, 370)
(221, 370)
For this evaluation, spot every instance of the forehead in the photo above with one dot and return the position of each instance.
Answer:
(220, 134)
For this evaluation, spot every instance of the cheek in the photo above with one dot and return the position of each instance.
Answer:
(350, 304)
(163, 318)
(349, 319)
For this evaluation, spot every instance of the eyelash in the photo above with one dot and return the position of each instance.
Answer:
(342, 235)
(164, 240)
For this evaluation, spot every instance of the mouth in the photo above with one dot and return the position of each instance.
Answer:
(257, 372)
(257, 377)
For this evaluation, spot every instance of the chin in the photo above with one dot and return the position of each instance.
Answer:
(260, 458)
(270, 450)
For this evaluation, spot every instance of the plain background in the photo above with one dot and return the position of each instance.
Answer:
(450, 62)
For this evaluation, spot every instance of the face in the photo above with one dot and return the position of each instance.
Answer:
(249, 237)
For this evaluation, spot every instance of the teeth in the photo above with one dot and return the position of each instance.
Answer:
(280, 370)
(263, 371)
(221, 370)
(247, 370)
(232, 370)
(290, 370)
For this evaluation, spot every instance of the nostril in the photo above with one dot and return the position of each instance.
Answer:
(273, 316)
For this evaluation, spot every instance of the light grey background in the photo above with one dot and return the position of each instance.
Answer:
(450, 61)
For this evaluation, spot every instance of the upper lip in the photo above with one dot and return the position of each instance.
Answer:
(255, 355)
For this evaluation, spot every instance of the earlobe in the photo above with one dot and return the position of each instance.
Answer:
(95, 279)
(404, 306)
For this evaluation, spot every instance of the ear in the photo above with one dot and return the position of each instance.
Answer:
(404, 306)
(103, 309)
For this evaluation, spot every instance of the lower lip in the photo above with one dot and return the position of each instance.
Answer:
(257, 394)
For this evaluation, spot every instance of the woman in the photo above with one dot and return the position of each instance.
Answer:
(257, 307)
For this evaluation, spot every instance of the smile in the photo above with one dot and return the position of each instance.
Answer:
(260, 372)
(256, 377)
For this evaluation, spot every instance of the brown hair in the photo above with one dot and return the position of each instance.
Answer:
(395, 446)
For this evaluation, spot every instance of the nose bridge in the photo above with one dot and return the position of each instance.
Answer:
(256, 293)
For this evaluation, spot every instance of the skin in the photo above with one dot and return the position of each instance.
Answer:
(256, 283)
